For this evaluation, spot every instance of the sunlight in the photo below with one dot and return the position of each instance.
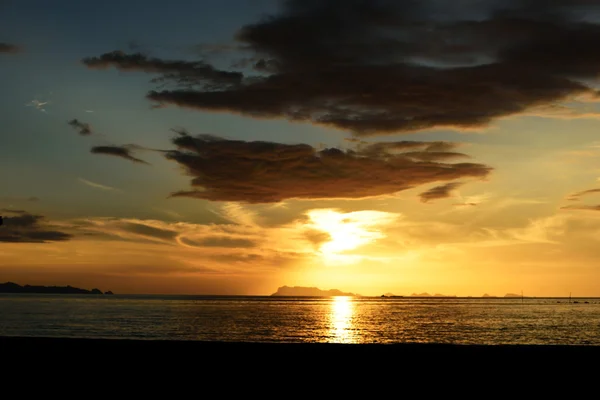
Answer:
(342, 310)
(347, 231)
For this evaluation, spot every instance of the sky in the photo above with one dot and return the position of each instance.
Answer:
(233, 147)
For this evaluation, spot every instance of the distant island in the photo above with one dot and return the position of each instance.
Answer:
(309, 291)
(429, 295)
(10, 287)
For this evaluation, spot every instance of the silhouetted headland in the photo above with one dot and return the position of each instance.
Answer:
(309, 292)
(11, 287)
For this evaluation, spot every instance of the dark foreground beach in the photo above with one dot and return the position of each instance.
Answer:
(172, 369)
(412, 353)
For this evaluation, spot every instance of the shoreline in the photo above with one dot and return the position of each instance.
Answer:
(104, 347)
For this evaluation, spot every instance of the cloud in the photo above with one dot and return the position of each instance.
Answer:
(268, 172)
(441, 192)
(13, 211)
(383, 67)
(96, 185)
(9, 48)
(220, 241)
(238, 214)
(28, 228)
(118, 151)
(589, 208)
(83, 128)
(578, 195)
(426, 238)
(227, 246)
(471, 201)
(346, 231)
(317, 235)
(11, 199)
(40, 105)
(145, 230)
(183, 72)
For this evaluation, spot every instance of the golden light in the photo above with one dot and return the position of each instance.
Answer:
(347, 231)
(342, 312)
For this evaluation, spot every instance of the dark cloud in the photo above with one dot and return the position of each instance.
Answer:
(9, 48)
(118, 151)
(589, 208)
(83, 128)
(440, 192)
(28, 228)
(426, 151)
(578, 195)
(220, 241)
(266, 172)
(150, 231)
(384, 66)
(181, 72)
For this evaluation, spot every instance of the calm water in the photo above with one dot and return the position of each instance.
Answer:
(336, 319)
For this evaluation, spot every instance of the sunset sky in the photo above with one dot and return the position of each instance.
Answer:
(236, 146)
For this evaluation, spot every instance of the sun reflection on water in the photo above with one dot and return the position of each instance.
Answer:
(341, 324)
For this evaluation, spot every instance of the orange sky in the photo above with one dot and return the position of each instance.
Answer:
(238, 157)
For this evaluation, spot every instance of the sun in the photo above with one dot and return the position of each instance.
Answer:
(347, 231)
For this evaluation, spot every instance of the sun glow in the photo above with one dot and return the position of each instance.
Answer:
(347, 231)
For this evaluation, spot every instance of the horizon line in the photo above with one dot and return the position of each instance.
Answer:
(356, 295)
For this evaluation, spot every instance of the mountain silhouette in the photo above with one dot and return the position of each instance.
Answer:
(309, 291)
(11, 287)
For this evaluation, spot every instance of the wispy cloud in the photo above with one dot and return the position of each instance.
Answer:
(228, 247)
(577, 196)
(238, 214)
(96, 185)
(39, 105)
(473, 200)
(170, 213)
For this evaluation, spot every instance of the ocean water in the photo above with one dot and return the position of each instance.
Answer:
(326, 319)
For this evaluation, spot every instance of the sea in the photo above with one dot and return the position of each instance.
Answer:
(360, 320)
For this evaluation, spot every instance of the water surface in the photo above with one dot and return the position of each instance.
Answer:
(318, 319)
